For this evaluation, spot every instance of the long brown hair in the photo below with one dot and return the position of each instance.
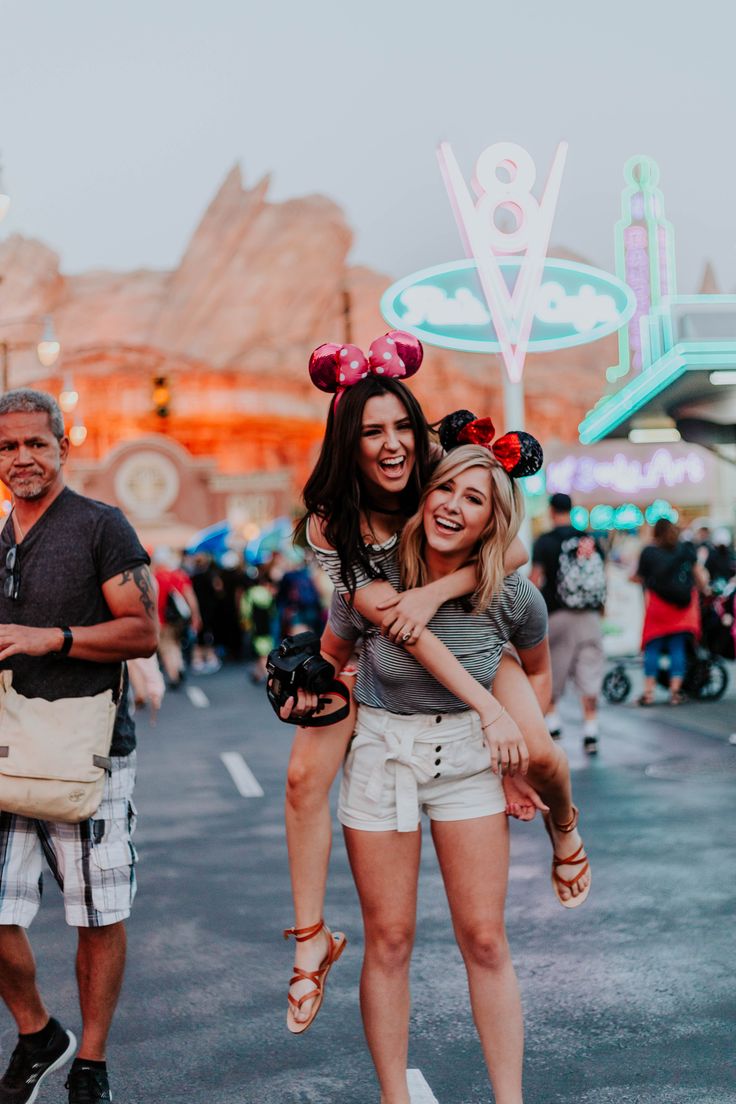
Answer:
(506, 513)
(334, 491)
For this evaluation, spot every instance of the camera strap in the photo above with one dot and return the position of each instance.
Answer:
(313, 719)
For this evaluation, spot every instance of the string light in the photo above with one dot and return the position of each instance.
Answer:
(78, 431)
(69, 396)
(49, 347)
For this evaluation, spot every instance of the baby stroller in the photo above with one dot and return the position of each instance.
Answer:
(718, 621)
(706, 675)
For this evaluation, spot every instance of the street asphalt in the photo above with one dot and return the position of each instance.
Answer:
(629, 1000)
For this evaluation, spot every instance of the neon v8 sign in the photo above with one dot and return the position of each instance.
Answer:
(445, 306)
(509, 297)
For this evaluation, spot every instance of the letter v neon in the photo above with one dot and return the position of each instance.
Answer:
(512, 312)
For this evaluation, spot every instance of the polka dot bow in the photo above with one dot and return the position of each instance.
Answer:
(517, 452)
(337, 367)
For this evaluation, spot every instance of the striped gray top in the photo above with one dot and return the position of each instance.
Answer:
(329, 560)
(390, 678)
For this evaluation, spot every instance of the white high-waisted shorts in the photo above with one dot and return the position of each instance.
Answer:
(399, 766)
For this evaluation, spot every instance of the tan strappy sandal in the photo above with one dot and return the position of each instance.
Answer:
(578, 858)
(318, 977)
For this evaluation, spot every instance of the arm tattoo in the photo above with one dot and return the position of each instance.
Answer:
(141, 576)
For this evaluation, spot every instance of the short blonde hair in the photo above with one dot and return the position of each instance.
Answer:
(506, 513)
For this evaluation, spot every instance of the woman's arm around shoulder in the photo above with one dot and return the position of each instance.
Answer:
(415, 608)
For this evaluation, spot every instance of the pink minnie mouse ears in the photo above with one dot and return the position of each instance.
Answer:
(518, 453)
(397, 355)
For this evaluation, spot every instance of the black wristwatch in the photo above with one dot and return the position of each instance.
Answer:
(66, 647)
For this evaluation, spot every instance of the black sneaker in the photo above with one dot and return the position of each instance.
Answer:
(87, 1085)
(30, 1065)
(590, 745)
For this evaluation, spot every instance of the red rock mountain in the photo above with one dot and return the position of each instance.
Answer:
(259, 286)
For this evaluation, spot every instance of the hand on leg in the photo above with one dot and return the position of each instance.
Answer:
(549, 773)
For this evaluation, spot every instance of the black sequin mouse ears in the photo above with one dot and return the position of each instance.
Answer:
(518, 453)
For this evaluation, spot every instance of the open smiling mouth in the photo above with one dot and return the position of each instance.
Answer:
(393, 466)
(447, 526)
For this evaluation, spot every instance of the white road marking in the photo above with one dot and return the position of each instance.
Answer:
(245, 781)
(419, 1090)
(197, 697)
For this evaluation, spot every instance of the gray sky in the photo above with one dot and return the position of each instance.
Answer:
(119, 118)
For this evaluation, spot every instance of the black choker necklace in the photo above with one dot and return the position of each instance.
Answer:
(380, 510)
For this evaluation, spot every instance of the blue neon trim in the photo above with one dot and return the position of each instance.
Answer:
(684, 357)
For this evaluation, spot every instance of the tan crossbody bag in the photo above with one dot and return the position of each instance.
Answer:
(54, 754)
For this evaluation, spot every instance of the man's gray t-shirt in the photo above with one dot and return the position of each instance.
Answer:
(390, 678)
(63, 560)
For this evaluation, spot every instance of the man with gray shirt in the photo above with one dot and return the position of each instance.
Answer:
(76, 601)
(568, 567)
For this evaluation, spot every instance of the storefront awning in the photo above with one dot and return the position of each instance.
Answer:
(688, 380)
(685, 382)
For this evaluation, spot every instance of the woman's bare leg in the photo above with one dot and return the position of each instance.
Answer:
(474, 859)
(169, 648)
(549, 770)
(385, 867)
(316, 757)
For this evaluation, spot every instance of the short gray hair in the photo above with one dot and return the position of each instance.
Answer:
(23, 400)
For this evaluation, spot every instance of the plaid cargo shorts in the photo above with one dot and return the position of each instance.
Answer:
(93, 862)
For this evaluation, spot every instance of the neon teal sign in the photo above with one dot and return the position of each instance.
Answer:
(655, 350)
(446, 306)
(645, 257)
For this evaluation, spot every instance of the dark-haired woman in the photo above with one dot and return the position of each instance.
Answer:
(375, 458)
(671, 576)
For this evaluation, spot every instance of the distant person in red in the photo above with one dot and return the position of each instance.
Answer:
(178, 611)
(671, 576)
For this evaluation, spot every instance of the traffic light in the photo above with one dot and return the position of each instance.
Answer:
(161, 396)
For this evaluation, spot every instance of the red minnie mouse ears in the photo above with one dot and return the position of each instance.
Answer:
(396, 355)
(518, 453)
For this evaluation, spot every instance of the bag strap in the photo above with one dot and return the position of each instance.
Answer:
(312, 719)
(121, 684)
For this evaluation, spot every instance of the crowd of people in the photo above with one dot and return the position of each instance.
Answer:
(222, 609)
(214, 610)
(688, 582)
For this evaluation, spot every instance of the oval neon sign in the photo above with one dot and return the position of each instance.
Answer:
(445, 306)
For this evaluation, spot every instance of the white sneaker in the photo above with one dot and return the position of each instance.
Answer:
(554, 724)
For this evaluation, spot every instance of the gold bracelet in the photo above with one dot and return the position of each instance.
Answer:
(491, 723)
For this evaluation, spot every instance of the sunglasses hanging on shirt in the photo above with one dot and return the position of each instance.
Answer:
(11, 585)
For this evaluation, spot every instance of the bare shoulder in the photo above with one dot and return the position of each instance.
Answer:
(316, 533)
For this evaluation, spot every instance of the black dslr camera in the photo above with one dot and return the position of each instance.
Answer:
(297, 665)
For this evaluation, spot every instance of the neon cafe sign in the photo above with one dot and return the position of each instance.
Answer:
(508, 297)
(624, 475)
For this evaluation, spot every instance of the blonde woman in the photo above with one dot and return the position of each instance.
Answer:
(418, 748)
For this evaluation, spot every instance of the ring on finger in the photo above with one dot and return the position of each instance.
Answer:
(406, 636)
